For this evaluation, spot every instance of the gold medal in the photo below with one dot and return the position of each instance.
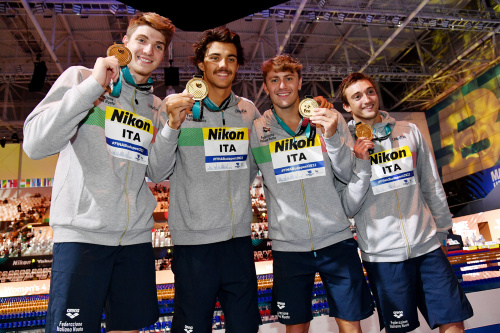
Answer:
(121, 52)
(307, 106)
(197, 87)
(364, 130)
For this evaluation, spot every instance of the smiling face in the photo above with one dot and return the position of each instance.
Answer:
(362, 102)
(147, 46)
(219, 66)
(283, 89)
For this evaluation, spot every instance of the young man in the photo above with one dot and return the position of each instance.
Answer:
(308, 227)
(403, 221)
(102, 209)
(210, 206)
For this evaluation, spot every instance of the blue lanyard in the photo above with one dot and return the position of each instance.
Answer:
(117, 87)
(198, 108)
(305, 126)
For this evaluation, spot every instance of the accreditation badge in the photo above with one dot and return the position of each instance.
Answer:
(128, 135)
(226, 148)
(392, 169)
(297, 158)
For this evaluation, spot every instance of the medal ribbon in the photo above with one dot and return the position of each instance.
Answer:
(312, 126)
(198, 108)
(117, 87)
(305, 126)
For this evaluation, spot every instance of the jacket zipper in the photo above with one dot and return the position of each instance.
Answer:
(307, 214)
(134, 98)
(231, 202)
(128, 206)
(229, 185)
(408, 250)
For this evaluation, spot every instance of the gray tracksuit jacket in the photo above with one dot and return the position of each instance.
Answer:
(106, 147)
(412, 219)
(209, 206)
(304, 214)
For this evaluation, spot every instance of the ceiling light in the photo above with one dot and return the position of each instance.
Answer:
(58, 8)
(420, 21)
(77, 9)
(341, 17)
(280, 15)
(433, 22)
(446, 23)
(382, 19)
(468, 25)
(113, 9)
(265, 13)
(131, 10)
(395, 20)
(369, 18)
(321, 3)
(326, 16)
(480, 25)
(311, 17)
(39, 8)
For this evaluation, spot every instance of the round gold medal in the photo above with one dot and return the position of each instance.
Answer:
(365, 131)
(198, 88)
(307, 106)
(121, 52)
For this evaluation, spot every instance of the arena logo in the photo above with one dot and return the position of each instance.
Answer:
(398, 314)
(72, 313)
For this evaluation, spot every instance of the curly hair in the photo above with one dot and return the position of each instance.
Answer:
(222, 35)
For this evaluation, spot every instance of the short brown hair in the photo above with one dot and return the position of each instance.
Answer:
(349, 81)
(281, 63)
(222, 35)
(155, 21)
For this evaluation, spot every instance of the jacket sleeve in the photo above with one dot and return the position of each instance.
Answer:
(55, 120)
(431, 187)
(254, 142)
(164, 149)
(339, 151)
(353, 194)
